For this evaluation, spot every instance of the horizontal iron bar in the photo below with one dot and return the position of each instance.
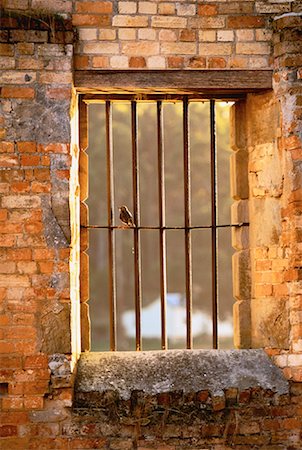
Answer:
(106, 227)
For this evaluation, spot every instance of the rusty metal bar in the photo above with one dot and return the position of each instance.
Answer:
(136, 229)
(111, 232)
(197, 227)
(187, 208)
(162, 223)
(214, 224)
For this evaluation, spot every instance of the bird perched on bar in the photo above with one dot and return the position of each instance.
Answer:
(126, 216)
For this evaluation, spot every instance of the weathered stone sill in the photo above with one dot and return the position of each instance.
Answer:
(119, 375)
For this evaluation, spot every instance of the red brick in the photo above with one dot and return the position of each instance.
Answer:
(36, 387)
(13, 418)
(33, 402)
(64, 253)
(43, 254)
(245, 22)
(4, 319)
(207, 10)
(39, 361)
(10, 362)
(42, 174)
(187, 35)
(197, 62)
(9, 160)
(54, 148)
(3, 214)
(22, 254)
(8, 430)
(136, 62)
(30, 160)
(217, 63)
(6, 147)
(46, 266)
(58, 93)
(88, 20)
(40, 187)
(63, 174)
(175, 62)
(81, 62)
(22, 332)
(20, 186)
(11, 228)
(7, 240)
(17, 92)
(27, 147)
(12, 403)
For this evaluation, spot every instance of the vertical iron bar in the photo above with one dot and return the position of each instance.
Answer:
(214, 224)
(111, 232)
(187, 207)
(136, 231)
(162, 223)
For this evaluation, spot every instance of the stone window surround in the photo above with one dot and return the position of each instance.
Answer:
(239, 177)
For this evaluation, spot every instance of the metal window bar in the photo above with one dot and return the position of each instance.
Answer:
(214, 225)
(162, 223)
(187, 209)
(111, 231)
(136, 229)
(162, 228)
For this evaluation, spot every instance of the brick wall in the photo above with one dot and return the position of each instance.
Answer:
(40, 44)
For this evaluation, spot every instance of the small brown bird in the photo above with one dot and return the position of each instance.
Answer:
(126, 216)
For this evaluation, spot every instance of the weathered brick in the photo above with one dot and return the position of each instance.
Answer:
(137, 62)
(119, 62)
(253, 48)
(147, 7)
(17, 92)
(89, 20)
(130, 21)
(127, 7)
(207, 10)
(166, 8)
(98, 7)
(215, 49)
(140, 48)
(245, 22)
(184, 48)
(168, 22)
(101, 48)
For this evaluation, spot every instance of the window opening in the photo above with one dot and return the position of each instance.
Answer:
(117, 126)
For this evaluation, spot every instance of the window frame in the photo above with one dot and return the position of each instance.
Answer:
(140, 85)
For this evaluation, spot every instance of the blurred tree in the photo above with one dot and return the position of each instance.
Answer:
(201, 204)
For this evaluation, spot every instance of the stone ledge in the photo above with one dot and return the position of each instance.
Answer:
(187, 371)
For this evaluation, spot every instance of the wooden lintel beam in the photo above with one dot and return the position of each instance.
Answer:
(207, 81)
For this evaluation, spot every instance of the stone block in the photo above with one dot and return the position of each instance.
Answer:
(238, 126)
(241, 275)
(242, 324)
(83, 176)
(85, 327)
(56, 331)
(239, 175)
(265, 226)
(269, 323)
(240, 211)
(263, 118)
(240, 238)
(84, 278)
